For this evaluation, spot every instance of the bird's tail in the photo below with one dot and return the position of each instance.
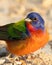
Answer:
(3, 33)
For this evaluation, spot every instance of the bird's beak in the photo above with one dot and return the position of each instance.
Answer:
(28, 20)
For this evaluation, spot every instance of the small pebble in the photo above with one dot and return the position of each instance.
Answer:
(2, 61)
(3, 52)
(18, 62)
(23, 62)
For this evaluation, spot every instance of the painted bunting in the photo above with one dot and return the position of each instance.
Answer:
(26, 35)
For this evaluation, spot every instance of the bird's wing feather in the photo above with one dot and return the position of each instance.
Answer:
(13, 31)
(3, 32)
(20, 26)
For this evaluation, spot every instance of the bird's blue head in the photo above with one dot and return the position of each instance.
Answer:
(35, 20)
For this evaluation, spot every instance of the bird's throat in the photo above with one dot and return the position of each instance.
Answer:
(30, 27)
(33, 30)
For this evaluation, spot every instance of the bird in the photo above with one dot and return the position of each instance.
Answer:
(25, 36)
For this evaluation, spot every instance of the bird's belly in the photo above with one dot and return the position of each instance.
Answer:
(29, 45)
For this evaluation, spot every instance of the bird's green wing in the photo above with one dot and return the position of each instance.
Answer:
(20, 26)
(17, 30)
(13, 31)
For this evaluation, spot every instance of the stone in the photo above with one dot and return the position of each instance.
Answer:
(2, 60)
(3, 52)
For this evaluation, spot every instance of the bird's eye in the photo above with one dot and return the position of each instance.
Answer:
(34, 19)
